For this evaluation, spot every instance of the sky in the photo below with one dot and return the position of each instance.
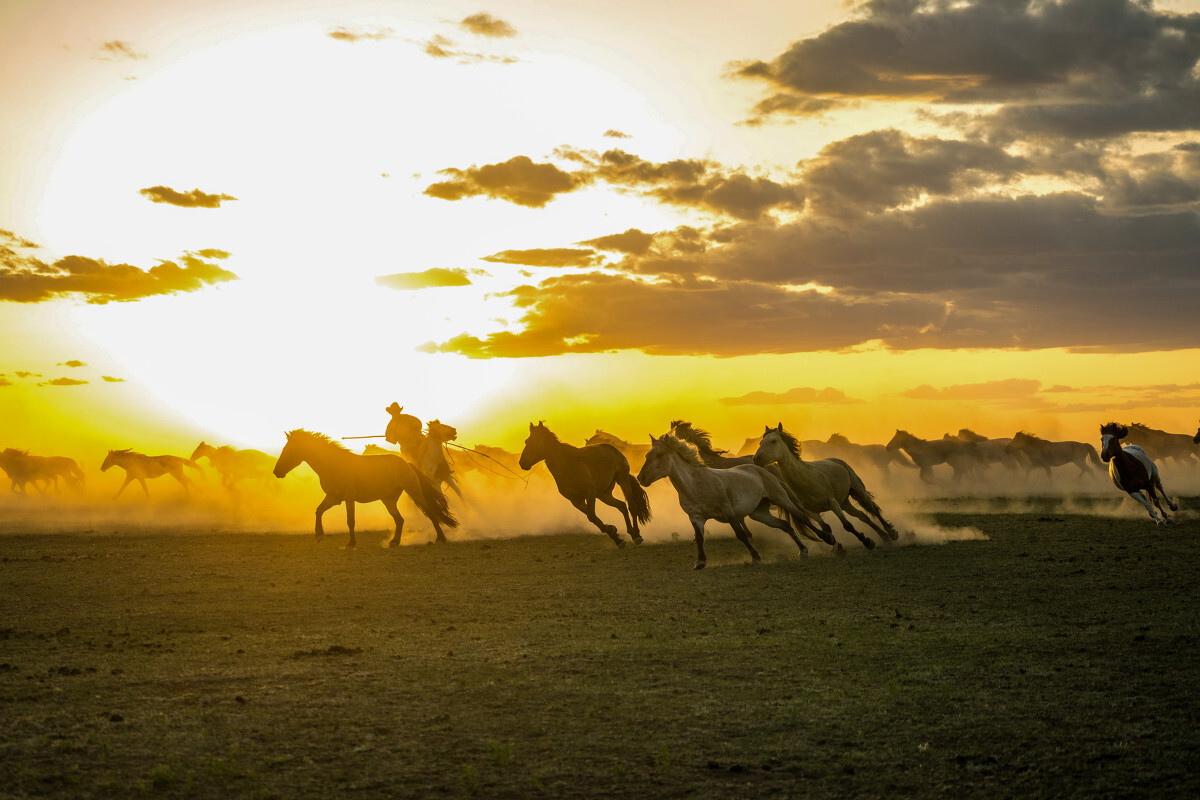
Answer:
(225, 220)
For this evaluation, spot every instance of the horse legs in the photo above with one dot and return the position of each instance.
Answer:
(608, 498)
(1167, 497)
(763, 514)
(325, 505)
(350, 522)
(743, 535)
(698, 527)
(867, 541)
(588, 507)
(864, 499)
(390, 504)
(128, 480)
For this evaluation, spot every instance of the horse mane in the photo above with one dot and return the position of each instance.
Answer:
(682, 448)
(792, 443)
(12, 451)
(542, 427)
(968, 435)
(126, 450)
(1137, 426)
(318, 438)
(837, 438)
(1114, 429)
(605, 436)
(696, 436)
(1028, 435)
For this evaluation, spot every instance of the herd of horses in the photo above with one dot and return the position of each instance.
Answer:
(770, 472)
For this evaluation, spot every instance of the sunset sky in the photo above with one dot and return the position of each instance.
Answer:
(226, 219)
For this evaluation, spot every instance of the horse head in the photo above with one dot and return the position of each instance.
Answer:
(537, 446)
(899, 440)
(1111, 435)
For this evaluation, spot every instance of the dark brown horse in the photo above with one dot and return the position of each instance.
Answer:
(1132, 471)
(1160, 444)
(587, 474)
(350, 478)
(1041, 453)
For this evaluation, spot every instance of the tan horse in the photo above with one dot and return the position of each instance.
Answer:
(1043, 454)
(234, 465)
(140, 467)
(350, 478)
(41, 471)
(963, 457)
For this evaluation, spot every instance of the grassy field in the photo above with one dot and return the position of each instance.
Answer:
(1058, 657)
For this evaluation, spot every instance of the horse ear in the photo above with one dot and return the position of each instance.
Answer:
(779, 427)
(531, 427)
(652, 439)
(766, 429)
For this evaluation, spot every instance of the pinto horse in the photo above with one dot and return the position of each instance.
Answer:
(1132, 471)
(726, 495)
(139, 466)
(350, 478)
(586, 474)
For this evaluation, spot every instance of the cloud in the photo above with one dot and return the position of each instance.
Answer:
(483, 24)
(632, 241)
(547, 257)
(441, 47)
(429, 279)
(795, 396)
(4, 381)
(117, 50)
(519, 180)
(72, 363)
(29, 280)
(615, 134)
(353, 35)
(193, 199)
(111, 379)
(62, 382)
(23, 374)
(1005, 389)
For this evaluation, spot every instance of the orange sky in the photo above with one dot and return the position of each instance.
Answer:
(223, 220)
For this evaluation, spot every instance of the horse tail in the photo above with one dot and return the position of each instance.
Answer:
(75, 476)
(1094, 459)
(432, 501)
(635, 495)
(859, 491)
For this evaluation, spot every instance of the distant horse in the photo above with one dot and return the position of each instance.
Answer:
(424, 450)
(1196, 438)
(963, 457)
(702, 441)
(350, 478)
(726, 495)
(587, 474)
(234, 465)
(990, 451)
(876, 455)
(1132, 471)
(1160, 444)
(41, 471)
(634, 453)
(138, 467)
(826, 485)
(1042, 454)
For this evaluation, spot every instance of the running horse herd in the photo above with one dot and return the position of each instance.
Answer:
(769, 472)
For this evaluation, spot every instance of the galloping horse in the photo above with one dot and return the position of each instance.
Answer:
(234, 465)
(350, 478)
(1160, 444)
(426, 451)
(1042, 454)
(726, 495)
(138, 467)
(702, 441)
(826, 485)
(635, 454)
(587, 474)
(963, 457)
(1132, 471)
(877, 455)
(41, 471)
(990, 451)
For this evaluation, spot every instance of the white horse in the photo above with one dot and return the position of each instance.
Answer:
(825, 485)
(726, 495)
(1132, 471)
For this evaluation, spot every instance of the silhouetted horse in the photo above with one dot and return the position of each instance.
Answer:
(1132, 471)
(825, 485)
(350, 478)
(41, 471)
(635, 454)
(1042, 454)
(234, 465)
(726, 495)
(138, 467)
(963, 457)
(586, 474)
(990, 451)
(1160, 444)
(424, 450)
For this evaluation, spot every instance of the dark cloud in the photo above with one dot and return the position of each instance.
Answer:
(117, 50)
(29, 280)
(519, 180)
(62, 382)
(800, 395)
(193, 199)
(72, 363)
(429, 279)
(352, 35)
(547, 257)
(1068, 68)
(483, 24)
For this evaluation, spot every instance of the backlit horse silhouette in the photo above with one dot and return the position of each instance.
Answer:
(635, 454)
(586, 474)
(1042, 454)
(426, 451)
(1132, 471)
(990, 451)
(41, 471)
(826, 485)
(963, 457)
(234, 465)
(726, 495)
(350, 478)
(1160, 445)
(140, 467)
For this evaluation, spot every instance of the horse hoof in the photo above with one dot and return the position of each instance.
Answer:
(638, 540)
(699, 565)
(619, 543)
(841, 551)
(869, 543)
